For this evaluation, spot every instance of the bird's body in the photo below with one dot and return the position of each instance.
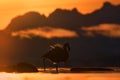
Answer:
(58, 53)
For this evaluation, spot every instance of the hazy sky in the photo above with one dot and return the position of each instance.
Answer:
(12, 8)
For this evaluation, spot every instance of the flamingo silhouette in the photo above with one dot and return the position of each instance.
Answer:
(58, 53)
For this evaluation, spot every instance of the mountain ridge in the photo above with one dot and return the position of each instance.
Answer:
(69, 19)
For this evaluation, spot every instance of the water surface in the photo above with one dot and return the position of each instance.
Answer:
(59, 76)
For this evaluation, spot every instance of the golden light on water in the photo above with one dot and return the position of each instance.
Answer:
(68, 76)
(46, 32)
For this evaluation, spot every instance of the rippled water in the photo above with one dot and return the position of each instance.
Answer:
(59, 76)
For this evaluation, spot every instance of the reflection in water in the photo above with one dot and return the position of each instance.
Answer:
(67, 76)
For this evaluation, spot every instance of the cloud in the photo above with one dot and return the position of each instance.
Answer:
(109, 30)
(45, 32)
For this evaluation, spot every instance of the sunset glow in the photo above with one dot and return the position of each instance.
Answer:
(11, 8)
(46, 32)
(109, 30)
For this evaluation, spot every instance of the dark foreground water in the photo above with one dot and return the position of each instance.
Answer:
(60, 76)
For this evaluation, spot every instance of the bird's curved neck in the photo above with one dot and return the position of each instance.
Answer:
(67, 47)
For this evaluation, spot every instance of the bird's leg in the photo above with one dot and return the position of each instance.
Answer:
(44, 64)
(67, 63)
(57, 67)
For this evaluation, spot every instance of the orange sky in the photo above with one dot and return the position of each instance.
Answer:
(12, 8)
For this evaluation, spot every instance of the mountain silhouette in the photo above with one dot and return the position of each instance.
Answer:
(69, 19)
(26, 21)
(107, 14)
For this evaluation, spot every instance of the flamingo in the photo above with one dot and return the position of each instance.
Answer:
(58, 53)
